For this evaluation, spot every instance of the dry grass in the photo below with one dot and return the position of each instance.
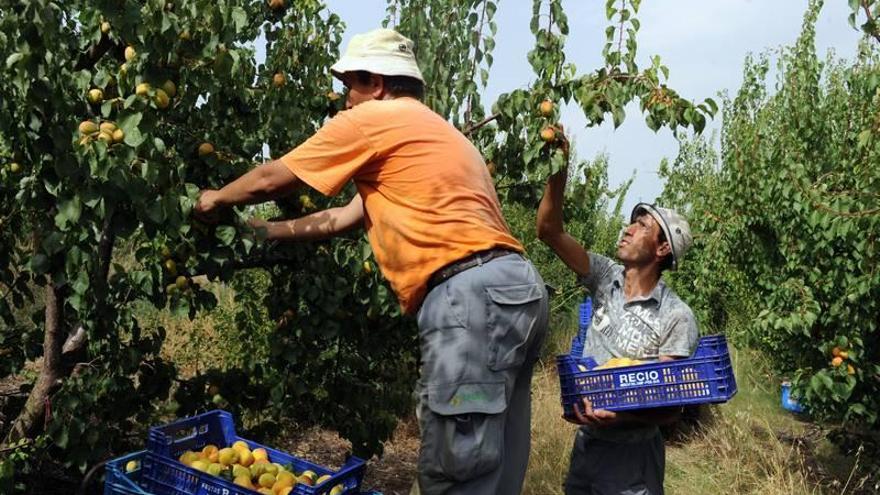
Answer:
(748, 446)
(552, 436)
(740, 453)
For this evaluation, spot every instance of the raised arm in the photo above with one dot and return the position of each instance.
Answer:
(551, 229)
(318, 225)
(267, 182)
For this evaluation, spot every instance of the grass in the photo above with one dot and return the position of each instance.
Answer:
(552, 437)
(747, 446)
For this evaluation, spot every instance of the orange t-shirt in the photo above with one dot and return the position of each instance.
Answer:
(428, 197)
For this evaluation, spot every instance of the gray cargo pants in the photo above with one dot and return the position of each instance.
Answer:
(480, 334)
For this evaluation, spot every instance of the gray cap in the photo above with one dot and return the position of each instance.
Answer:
(674, 226)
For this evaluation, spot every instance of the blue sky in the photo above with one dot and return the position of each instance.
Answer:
(703, 42)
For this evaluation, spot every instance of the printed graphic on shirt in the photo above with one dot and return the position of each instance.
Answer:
(634, 332)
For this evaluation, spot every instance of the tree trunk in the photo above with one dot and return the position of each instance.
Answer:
(34, 410)
(60, 351)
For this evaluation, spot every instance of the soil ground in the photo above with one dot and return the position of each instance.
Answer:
(392, 474)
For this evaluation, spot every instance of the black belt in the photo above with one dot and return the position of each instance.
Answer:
(463, 264)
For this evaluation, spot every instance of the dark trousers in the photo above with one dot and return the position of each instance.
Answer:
(601, 467)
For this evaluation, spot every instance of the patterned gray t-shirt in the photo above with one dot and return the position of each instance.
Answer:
(659, 324)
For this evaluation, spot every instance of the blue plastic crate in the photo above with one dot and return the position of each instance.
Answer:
(164, 475)
(585, 314)
(119, 482)
(789, 402)
(705, 377)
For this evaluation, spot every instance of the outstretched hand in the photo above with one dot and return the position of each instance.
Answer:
(206, 208)
(564, 143)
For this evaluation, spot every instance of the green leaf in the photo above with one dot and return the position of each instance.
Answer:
(618, 114)
(129, 124)
(239, 18)
(53, 243)
(69, 212)
(130, 121)
(226, 234)
(713, 107)
(13, 59)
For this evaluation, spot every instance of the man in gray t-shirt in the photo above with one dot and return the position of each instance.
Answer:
(635, 316)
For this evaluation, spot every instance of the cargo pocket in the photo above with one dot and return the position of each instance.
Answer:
(513, 311)
(464, 436)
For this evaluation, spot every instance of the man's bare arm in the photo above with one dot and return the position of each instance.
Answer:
(266, 182)
(551, 229)
(318, 225)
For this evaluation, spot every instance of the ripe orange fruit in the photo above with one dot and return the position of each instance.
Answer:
(95, 96)
(266, 480)
(836, 351)
(284, 479)
(260, 454)
(161, 98)
(108, 127)
(843, 355)
(548, 134)
(188, 457)
(87, 128)
(311, 475)
(206, 149)
(171, 266)
(227, 456)
(169, 88)
(245, 458)
(243, 480)
(279, 80)
(130, 53)
(105, 137)
(211, 452)
(837, 361)
(276, 4)
(546, 108)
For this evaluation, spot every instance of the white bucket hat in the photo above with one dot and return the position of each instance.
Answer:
(674, 226)
(382, 51)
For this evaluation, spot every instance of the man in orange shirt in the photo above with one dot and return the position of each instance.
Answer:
(434, 222)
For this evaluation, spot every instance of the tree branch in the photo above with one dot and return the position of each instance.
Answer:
(470, 102)
(871, 20)
(88, 59)
(480, 124)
